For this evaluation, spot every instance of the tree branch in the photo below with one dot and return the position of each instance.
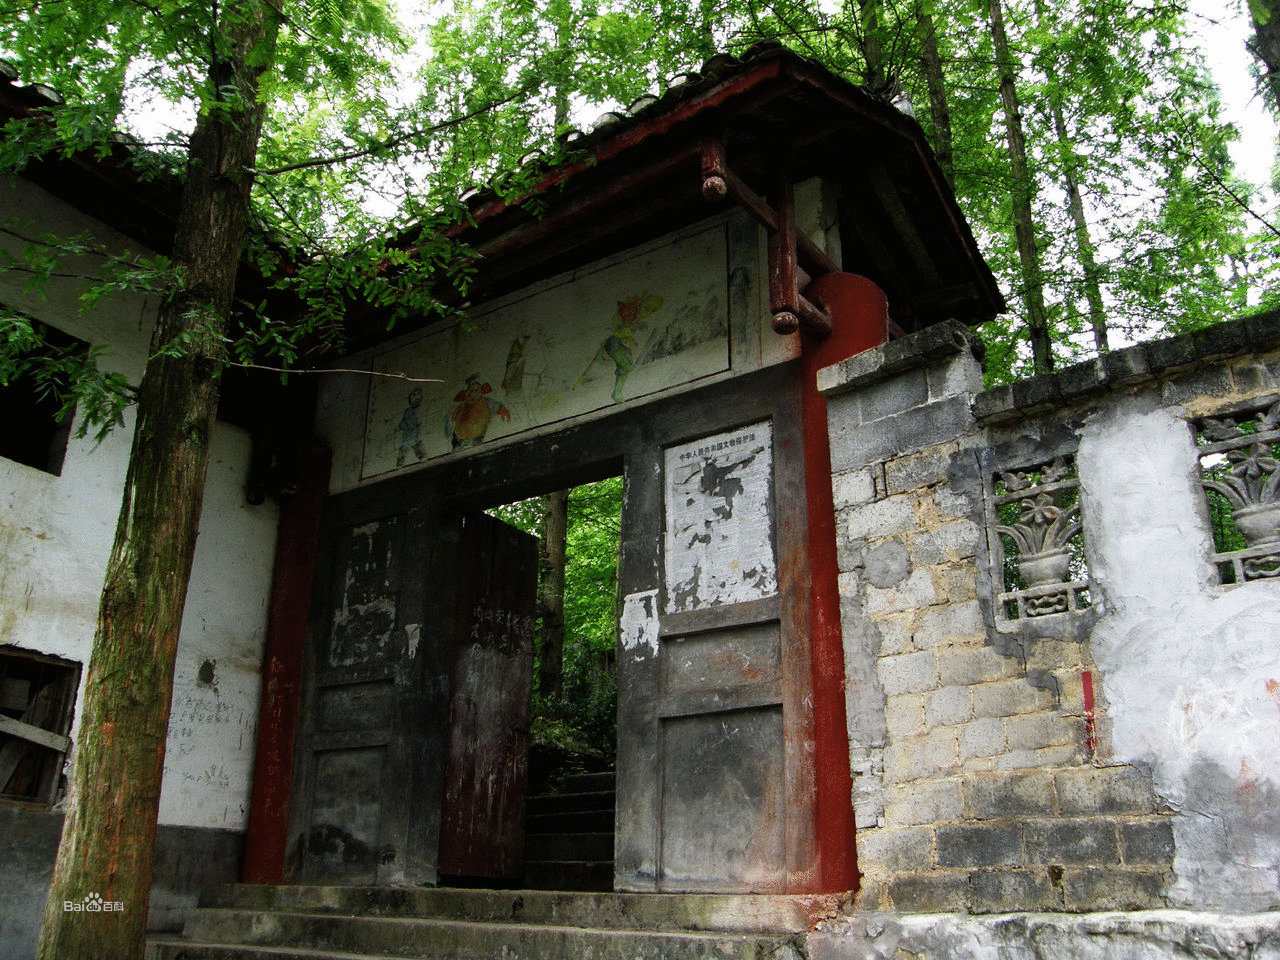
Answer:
(368, 373)
(391, 142)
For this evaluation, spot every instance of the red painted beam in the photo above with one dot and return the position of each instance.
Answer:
(744, 83)
(860, 314)
(267, 838)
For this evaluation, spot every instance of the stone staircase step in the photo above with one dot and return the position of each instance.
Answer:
(569, 846)
(733, 913)
(169, 949)
(577, 875)
(605, 782)
(400, 936)
(587, 821)
(569, 803)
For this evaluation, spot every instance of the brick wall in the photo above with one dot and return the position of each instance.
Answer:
(983, 780)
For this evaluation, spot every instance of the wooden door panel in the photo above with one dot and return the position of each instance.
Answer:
(486, 765)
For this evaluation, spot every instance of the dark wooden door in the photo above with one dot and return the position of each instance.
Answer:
(486, 763)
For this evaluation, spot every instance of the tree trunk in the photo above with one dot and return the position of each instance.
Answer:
(939, 112)
(876, 76)
(1084, 242)
(1266, 45)
(1022, 194)
(109, 833)
(551, 596)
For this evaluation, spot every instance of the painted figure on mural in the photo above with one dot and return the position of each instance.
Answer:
(621, 346)
(473, 410)
(410, 429)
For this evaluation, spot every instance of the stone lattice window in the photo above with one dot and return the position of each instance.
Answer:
(1037, 544)
(1240, 473)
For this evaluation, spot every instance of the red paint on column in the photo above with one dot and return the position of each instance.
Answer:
(297, 542)
(860, 316)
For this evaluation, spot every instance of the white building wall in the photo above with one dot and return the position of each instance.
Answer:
(56, 534)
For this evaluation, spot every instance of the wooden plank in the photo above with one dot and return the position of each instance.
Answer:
(487, 761)
(45, 738)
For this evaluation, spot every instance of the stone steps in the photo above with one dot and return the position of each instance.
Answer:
(242, 922)
(569, 835)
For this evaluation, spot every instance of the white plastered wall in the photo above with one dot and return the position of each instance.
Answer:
(1190, 670)
(56, 534)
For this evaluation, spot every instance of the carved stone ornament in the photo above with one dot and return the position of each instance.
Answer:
(1048, 521)
(1239, 463)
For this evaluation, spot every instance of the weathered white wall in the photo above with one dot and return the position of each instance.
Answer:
(1190, 670)
(56, 534)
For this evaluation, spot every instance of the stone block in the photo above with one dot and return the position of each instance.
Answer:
(1036, 730)
(882, 850)
(948, 624)
(853, 488)
(993, 844)
(1221, 340)
(957, 540)
(1129, 365)
(1037, 393)
(921, 758)
(995, 796)
(908, 673)
(1254, 376)
(903, 474)
(1211, 381)
(958, 582)
(1080, 380)
(1003, 891)
(1056, 655)
(960, 376)
(1169, 354)
(1146, 842)
(896, 632)
(1072, 841)
(948, 706)
(889, 397)
(976, 664)
(1099, 889)
(953, 502)
(1009, 698)
(995, 404)
(922, 802)
(904, 716)
(1067, 755)
(1263, 330)
(916, 591)
(1090, 791)
(939, 891)
(983, 737)
(883, 518)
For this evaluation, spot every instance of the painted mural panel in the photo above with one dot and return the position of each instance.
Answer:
(719, 519)
(602, 337)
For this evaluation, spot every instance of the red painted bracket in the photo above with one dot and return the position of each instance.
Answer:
(791, 310)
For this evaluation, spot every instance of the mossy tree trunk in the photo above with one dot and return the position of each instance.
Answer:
(1022, 195)
(110, 826)
(555, 516)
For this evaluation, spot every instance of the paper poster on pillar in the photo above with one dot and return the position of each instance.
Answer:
(719, 519)
(601, 337)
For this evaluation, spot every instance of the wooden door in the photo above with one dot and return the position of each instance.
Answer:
(486, 763)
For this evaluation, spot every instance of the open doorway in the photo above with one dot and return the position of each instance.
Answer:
(573, 740)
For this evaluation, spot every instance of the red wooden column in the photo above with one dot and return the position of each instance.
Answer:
(860, 318)
(267, 838)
